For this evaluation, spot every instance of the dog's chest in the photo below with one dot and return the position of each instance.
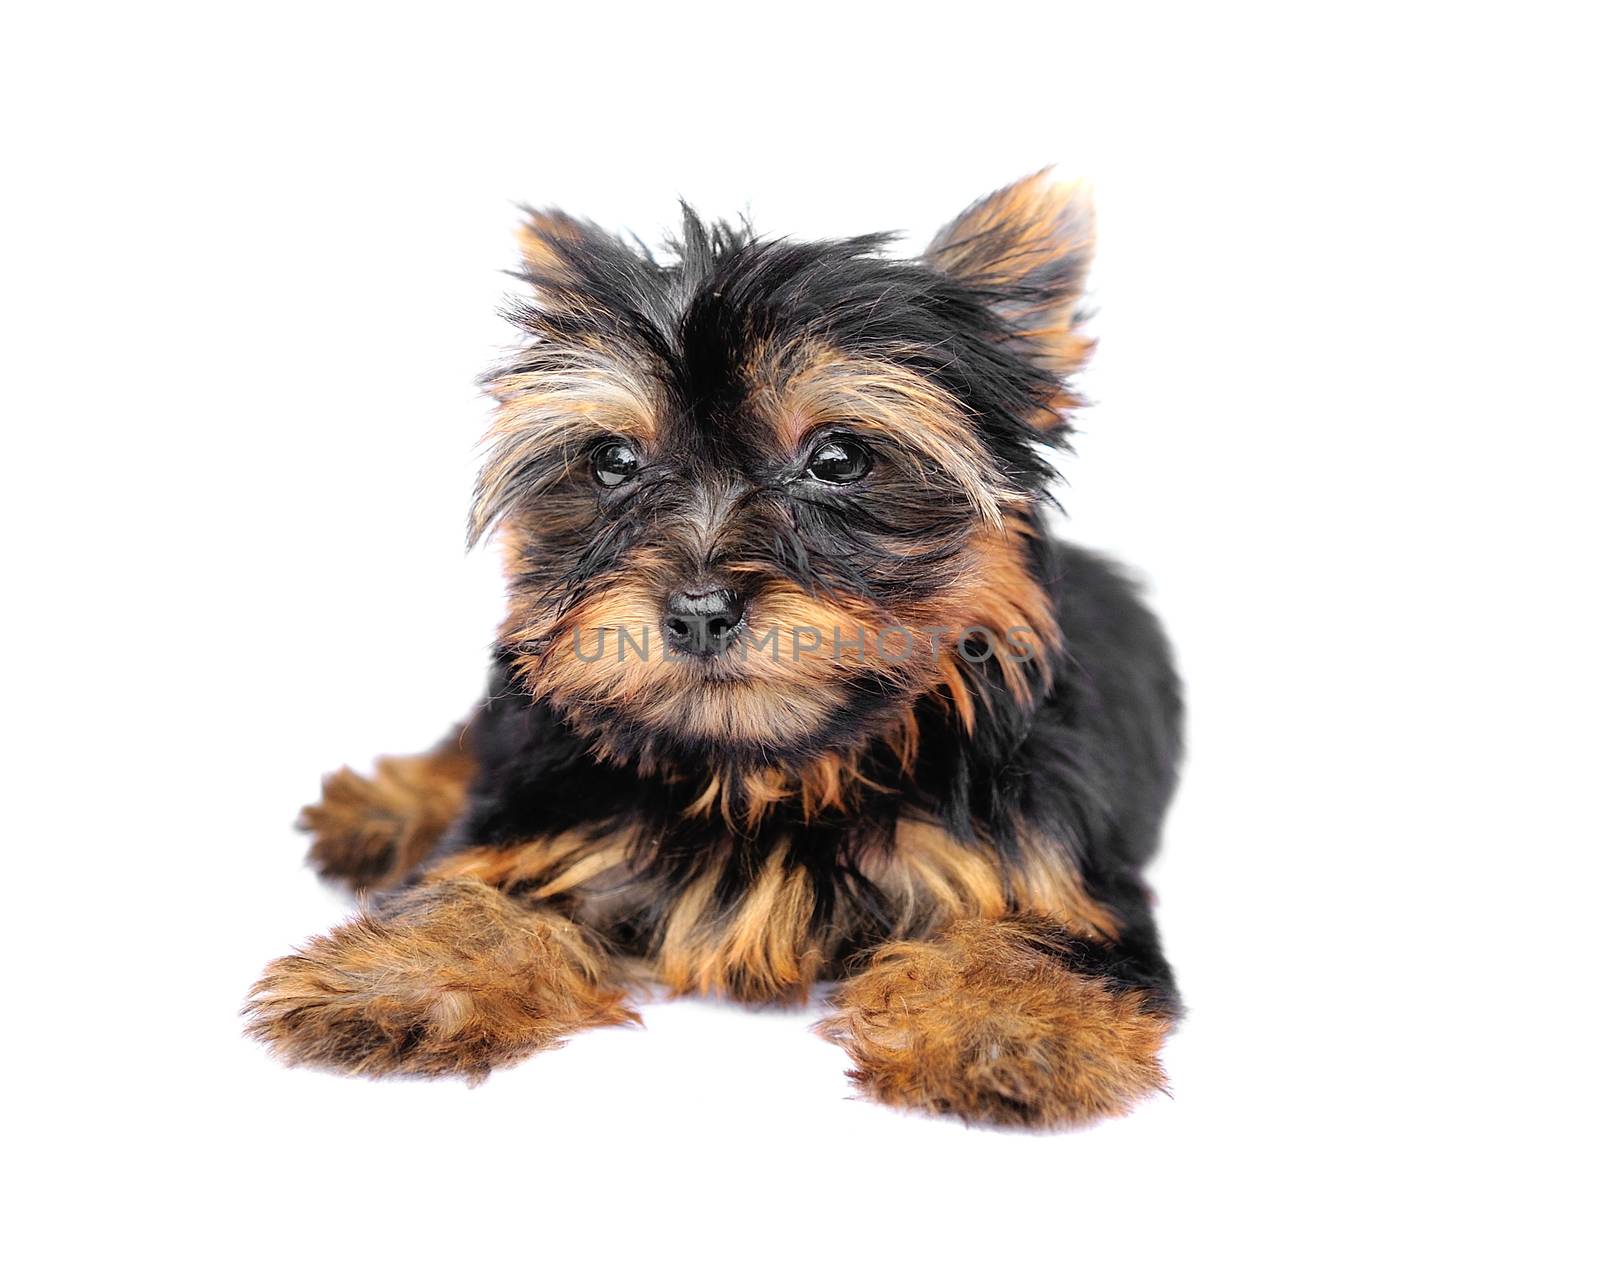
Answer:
(760, 916)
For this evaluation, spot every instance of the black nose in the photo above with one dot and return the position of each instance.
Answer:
(702, 621)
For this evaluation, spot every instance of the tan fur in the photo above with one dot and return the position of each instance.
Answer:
(979, 1023)
(999, 592)
(784, 689)
(370, 832)
(830, 783)
(449, 977)
(767, 946)
(596, 387)
(762, 950)
(496, 952)
(541, 868)
(815, 386)
(933, 879)
(608, 651)
(1007, 238)
(544, 238)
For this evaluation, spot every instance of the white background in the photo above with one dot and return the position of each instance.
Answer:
(1345, 426)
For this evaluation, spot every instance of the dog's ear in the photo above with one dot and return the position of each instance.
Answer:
(555, 246)
(1027, 247)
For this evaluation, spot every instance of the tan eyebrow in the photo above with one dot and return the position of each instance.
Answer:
(816, 385)
(578, 391)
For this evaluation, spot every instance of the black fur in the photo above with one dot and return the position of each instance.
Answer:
(1094, 768)
(665, 437)
(1091, 767)
(765, 437)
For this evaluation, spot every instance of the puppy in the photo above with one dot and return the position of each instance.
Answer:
(793, 687)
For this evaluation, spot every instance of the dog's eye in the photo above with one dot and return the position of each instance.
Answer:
(613, 463)
(839, 461)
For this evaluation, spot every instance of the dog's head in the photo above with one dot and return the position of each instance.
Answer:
(760, 497)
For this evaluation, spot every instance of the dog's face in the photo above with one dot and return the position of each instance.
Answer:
(758, 499)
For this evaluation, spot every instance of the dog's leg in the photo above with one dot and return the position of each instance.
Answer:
(450, 976)
(371, 832)
(1007, 1021)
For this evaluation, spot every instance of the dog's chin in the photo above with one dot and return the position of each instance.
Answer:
(714, 715)
(738, 722)
(721, 706)
(724, 671)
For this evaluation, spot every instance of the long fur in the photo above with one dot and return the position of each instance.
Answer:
(935, 825)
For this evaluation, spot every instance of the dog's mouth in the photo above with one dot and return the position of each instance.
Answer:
(722, 669)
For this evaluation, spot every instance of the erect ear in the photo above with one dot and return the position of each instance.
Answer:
(551, 243)
(1028, 246)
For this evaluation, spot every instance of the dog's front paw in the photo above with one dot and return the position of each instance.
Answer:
(447, 978)
(985, 1023)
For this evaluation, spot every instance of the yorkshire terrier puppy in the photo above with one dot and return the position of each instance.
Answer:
(794, 687)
